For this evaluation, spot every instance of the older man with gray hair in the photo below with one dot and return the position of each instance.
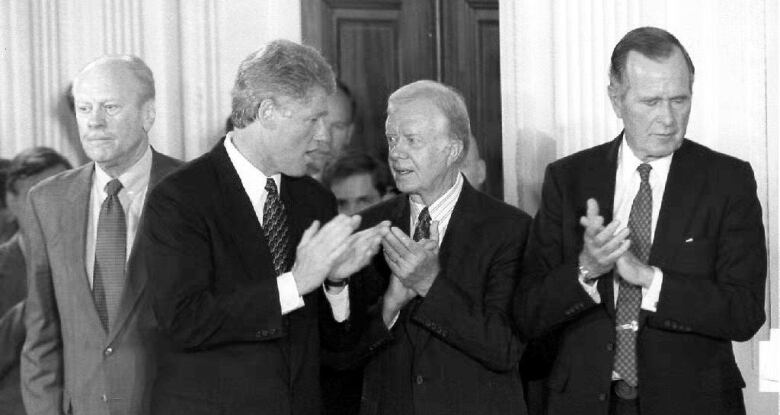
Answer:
(89, 329)
(432, 312)
(237, 256)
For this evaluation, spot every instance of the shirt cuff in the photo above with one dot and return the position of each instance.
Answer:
(591, 289)
(339, 303)
(651, 294)
(289, 298)
(394, 320)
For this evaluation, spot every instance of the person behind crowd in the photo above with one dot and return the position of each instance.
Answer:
(89, 332)
(8, 224)
(358, 181)
(647, 257)
(337, 135)
(433, 310)
(473, 166)
(25, 170)
(236, 254)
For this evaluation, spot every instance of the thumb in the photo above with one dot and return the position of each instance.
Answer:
(309, 233)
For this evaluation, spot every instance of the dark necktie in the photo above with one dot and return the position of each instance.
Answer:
(108, 278)
(275, 229)
(630, 296)
(423, 228)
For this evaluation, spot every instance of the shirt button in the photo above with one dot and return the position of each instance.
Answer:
(419, 379)
(104, 398)
(109, 350)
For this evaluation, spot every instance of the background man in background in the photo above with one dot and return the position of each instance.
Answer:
(434, 309)
(473, 166)
(337, 135)
(26, 169)
(646, 313)
(237, 303)
(88, 330)
(358, 181)
(8, 225)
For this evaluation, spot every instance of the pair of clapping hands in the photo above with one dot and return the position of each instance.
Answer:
(335, 251)
(606, 248)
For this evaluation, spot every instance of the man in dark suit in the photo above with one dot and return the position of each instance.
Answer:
(644, 315)
(89, 332)
(236, 301)
(26, 169)
(432, 314)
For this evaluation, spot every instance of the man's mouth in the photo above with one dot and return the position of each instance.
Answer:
(402, 172)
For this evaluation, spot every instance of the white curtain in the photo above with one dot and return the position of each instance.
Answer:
(554, 63)
(193, 47)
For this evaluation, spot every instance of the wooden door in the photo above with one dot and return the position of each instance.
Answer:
(376, 46)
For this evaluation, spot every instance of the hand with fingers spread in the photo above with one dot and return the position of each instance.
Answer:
(319, 249)
(602, 245)
(361, 247)
(415, 263)
(395, 299)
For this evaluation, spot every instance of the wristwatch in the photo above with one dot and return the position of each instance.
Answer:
(583, 273)
(336, 284)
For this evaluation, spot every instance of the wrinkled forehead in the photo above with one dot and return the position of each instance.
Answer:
(107, 80)
(415, 113)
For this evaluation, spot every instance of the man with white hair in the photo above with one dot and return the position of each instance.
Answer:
(432, 312)
(89, 330)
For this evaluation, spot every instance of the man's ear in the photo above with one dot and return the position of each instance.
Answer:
(455, 150)
(616, 94)
(149, 114)
(267, 112)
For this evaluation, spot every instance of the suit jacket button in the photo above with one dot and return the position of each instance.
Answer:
(260, 333)
(419, 379)
(602, 397)
(610, 347)
(109, 350)
(104, 397)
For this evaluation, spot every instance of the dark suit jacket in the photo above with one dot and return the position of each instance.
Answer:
(13, 290)
(454, 351)
(69, 363)
(224, 345)
(709, 243)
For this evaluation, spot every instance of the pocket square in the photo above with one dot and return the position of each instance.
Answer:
(689, 240)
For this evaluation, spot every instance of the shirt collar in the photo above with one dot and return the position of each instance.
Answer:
(251, 177)
(628, 163)
(441, 207)
(134, 180)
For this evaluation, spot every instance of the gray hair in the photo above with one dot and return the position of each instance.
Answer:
(281, 68)
(132, 63)
(448, 99)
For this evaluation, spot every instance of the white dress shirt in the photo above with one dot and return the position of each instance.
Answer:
(134, 181)
(253, 181)
(627, 183)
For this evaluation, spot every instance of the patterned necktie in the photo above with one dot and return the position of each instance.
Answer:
(423, 228)
(108, 277)
(275, 229)
(630, 296)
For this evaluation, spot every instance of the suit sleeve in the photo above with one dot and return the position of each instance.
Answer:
(724, 295)
(11, 338)
(41, 360)
(179, 255)
(482, 329)
(549, 293)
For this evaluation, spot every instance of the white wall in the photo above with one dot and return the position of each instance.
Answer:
(554, 62)
(193, 47)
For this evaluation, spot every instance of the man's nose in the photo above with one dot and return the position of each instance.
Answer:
(96, 118)
(666, 114)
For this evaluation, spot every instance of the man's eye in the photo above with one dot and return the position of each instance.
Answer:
(82, 109)
(651, 102)
(111, 108)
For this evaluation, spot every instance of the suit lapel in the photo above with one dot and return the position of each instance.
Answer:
(600, 184)
(73, 228)
(135, 275)
(679, 201)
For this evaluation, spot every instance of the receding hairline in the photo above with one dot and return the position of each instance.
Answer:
(133, 66)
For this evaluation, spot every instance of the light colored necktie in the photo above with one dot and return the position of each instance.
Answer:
(108, 278)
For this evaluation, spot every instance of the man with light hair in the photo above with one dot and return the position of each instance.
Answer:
(237, 302)
(89, 329)
(433, 310)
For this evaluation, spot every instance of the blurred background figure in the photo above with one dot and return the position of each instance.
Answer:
(473, 166)
(22, 173)
(358, 181)
(8, 224)
(339, 127)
